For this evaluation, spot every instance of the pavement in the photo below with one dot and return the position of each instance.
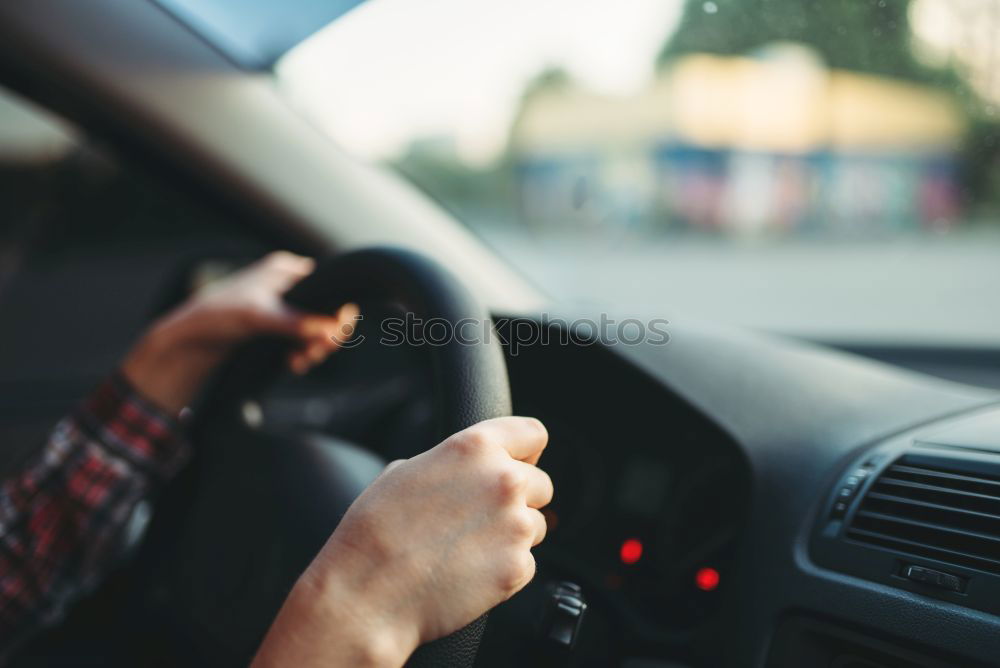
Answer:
(913, 289)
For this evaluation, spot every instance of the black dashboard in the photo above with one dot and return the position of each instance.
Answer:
(651, 501)
(807, 418)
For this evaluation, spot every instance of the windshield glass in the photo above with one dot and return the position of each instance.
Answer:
(827, 169)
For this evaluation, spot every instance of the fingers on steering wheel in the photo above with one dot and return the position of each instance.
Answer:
(541, 526)
(523, 438)
(538, 490)
(285, 265)
(322, 335)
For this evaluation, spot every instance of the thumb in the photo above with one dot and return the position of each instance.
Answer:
(285, 320)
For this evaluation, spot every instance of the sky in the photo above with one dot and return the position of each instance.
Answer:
(392, 70)
(963, 32)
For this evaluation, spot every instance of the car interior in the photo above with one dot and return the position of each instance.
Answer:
(729, 497)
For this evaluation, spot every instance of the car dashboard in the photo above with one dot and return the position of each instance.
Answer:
(696, 507)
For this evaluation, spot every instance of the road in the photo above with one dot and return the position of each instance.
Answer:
(914, 289)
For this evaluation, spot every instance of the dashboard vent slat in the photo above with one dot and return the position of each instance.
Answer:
(920, 549)
(961, 518)
(950, 480)
(933, 511)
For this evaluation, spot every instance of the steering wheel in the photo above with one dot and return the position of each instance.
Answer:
(218, 574)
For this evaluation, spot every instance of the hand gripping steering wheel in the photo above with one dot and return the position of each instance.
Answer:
(469, 378)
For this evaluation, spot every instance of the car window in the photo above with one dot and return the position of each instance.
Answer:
(32, 143)
(828, 169)
(65, 194)
(92, 245)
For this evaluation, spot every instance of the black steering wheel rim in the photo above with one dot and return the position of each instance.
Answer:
(469, 372)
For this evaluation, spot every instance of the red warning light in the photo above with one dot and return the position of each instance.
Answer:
(706, 579)
(631, 551)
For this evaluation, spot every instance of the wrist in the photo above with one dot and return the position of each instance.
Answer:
(326, 621)
(165, 371)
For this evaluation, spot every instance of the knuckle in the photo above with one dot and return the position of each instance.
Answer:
(521, 528)
(549, 488)
(508, 578)
(528, 567)
(461, 446)
(516, 572)
(279, 257)
(392, 465)
(512, 575)
(544, 526)
(537, 425)
(469, 442)
(510, 483)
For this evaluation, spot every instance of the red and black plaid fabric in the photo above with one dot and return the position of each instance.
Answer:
(62, 517)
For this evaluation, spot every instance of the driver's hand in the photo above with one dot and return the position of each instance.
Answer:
(180, 350)
(433, 543)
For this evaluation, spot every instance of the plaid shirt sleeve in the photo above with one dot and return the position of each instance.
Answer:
(62, 517)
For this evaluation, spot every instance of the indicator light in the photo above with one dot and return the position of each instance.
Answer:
(631, 551)
(706, 579)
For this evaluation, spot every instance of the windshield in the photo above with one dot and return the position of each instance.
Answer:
(827, 169)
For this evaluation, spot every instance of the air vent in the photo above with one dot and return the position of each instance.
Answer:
(936, 508)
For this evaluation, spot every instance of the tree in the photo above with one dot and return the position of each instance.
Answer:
(477, 195)
(861, 35)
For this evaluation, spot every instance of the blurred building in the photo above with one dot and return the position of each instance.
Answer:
(745, 146)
